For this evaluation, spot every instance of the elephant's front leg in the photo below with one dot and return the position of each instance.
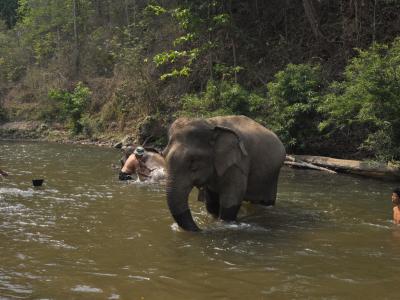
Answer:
(232, 190)
(212, 203)
(211, 200)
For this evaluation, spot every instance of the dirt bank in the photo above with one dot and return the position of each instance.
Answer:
(33, 130)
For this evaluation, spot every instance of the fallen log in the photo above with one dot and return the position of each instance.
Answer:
(308, 166)
(292, 161)
(365, 168)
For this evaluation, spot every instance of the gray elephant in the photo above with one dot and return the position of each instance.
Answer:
(229, 159)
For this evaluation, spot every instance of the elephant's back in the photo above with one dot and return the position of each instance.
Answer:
(261, 142)
(155, 160)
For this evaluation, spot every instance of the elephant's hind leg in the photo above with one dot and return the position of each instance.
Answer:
(271, 191)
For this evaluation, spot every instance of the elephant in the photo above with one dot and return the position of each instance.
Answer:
(228, 158)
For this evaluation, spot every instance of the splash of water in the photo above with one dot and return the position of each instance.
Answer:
(156, 176)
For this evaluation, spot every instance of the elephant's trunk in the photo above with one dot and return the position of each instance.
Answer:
(177, 198)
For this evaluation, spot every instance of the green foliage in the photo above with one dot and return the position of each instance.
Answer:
(203, 30)
(13, 59)
(369, 97)
(181, 58)
(226, 71)
(73, 104)
(8, 11)
(48, 22)
(155, 9)
(222, 98)
(294, 96)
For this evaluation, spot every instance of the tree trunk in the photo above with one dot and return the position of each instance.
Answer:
(127, 12)
(210, 64)
(76, 38)
(312, 19)
(233, 42)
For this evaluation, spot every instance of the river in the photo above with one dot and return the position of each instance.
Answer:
(86, 235)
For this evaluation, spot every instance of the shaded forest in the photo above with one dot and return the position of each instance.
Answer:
(324, 75)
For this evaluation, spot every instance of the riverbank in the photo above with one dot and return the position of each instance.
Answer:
(33, 130)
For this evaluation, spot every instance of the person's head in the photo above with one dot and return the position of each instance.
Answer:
(139, 152)
(396, 196)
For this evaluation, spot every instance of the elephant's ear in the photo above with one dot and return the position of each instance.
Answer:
(228, 148)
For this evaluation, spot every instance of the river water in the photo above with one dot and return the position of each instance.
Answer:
(85, 235)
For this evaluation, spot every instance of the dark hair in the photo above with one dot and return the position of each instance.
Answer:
(396, 191)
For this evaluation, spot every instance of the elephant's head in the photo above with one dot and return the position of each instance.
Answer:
(197, 153)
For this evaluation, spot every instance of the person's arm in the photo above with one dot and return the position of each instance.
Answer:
(143, 165)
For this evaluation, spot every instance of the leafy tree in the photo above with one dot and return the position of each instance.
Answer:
(73, 104)
(222, 98)
(205, 29)
(44, 22)
(368, 100)
(294, 96)
(8, 12)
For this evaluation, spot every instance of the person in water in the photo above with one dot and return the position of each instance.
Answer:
(136, 163)
(396, 203)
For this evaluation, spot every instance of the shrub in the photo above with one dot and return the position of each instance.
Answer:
(294, 96)
(221, 98)
(73, 104)
(90, 125)
(369, 98)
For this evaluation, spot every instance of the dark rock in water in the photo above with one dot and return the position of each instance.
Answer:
(118, 145)
(37, 182)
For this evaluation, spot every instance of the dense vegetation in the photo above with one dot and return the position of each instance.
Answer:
(322, 74)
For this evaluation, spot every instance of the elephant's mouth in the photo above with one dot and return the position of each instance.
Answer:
(199, 183)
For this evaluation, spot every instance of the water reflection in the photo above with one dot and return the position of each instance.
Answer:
(85, 234)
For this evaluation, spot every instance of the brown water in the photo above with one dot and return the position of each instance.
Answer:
(85, 235)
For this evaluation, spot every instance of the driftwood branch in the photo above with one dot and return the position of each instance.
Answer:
(292, 161)
(308, 166)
